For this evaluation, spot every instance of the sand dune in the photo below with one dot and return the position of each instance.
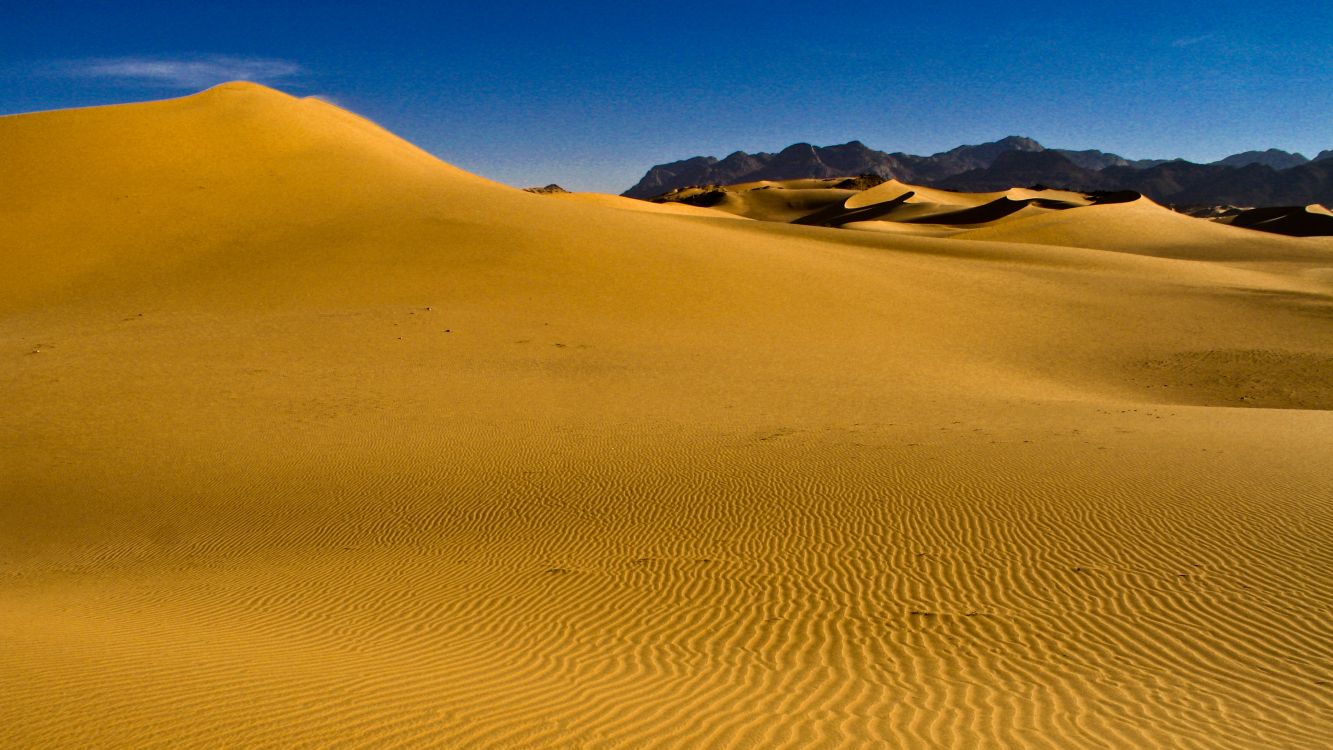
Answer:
(766, 201)
(920, 194)
(630, 204)
(1313, 220)
(1117, 224)
(311, 439)
(829, 202)
(1145, 227)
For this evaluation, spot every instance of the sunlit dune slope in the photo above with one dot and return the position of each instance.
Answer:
(149, 186)
(893, 188)
(1145, 227)
(310, 439)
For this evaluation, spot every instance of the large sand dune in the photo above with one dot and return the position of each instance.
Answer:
(312, 440)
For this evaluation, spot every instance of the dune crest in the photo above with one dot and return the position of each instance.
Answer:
(893, 189)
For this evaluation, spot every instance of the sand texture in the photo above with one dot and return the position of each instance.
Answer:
(312, 440)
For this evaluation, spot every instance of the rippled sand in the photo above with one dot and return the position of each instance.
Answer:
(311, 440)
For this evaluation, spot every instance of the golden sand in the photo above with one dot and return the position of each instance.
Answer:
(311, 440)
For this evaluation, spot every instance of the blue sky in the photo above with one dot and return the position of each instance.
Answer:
(590, 94)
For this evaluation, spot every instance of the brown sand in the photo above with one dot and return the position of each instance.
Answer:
(311, 440)
(631, 204)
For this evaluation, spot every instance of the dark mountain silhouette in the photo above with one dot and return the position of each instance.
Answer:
(800, 160)
(1022, 168)
(1253, 178)
(803, 160)
(1187, 184)
(1275, 158)
(1097, 160)
(961, 159)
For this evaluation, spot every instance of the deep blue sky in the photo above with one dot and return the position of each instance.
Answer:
(590, 94)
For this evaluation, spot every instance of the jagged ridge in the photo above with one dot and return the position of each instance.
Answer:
(1250, 178)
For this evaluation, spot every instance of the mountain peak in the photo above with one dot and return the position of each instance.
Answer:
(1020, 143)
(1252, 178)
(1273, 157)
(1027, 167)
(804, 160)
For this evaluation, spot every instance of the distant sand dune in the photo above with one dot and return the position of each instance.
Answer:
(893, 188)
(1298, 221)
(1145, 227)
(884, 207)
(312, 440)
(630, 204)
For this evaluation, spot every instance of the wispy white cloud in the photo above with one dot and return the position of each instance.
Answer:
(1190, 41)
(183, 73)
(329, 99)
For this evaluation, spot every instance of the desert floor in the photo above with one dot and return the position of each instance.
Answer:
(311, 440)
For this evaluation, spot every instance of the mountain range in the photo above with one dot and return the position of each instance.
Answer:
(1252, 178)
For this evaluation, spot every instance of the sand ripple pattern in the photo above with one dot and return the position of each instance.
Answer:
(783, 588)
